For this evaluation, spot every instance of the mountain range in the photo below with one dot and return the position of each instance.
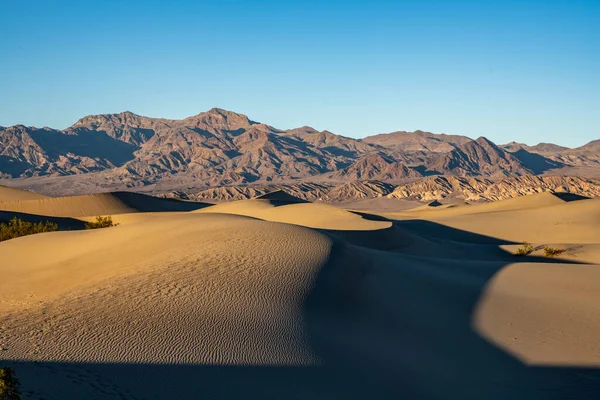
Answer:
(222, 148)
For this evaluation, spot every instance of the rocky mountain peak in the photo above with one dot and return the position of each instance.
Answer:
(221, 147)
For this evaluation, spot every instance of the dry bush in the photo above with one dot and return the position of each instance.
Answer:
(16, 228)
(9, 385)
(101, 222)
(552, 252)
(525, 249)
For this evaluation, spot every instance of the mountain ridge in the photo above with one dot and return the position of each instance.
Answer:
(220, 147)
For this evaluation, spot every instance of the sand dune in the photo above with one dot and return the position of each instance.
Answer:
(97, 204)
(11, 194)
(161, 290)
(280, 197)
(313, 215)
(567, 223)
(276, 298)
(382, 204)
(544, 314)
(533, 201)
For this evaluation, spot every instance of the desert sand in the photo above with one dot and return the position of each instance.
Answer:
(279, 298)
(95, 204)
(12, 194)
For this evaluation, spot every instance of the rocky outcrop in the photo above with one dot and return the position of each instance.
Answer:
(376, 166)
(418, 141)
(479, 157)
(480, 189)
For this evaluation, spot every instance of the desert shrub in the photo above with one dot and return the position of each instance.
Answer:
(101, 222)
(16, 228)
(552, 252)
(9, 385)
(525, 249)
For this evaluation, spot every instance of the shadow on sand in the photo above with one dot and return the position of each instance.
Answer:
(64, 223)
(401, 328)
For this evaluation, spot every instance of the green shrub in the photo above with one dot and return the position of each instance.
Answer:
(17, 228)
(552, 252)
(9, 385)
(101, 222)
(525, 249)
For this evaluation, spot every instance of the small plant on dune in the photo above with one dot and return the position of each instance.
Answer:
(9, 385)
(16, 228)
(552, 252)
(101, 222)
(525, 249)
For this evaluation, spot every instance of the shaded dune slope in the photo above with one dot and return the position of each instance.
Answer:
(280, 197)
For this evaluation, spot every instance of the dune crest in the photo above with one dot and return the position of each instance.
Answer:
(312, 215)
(12, 194)
(97, 204)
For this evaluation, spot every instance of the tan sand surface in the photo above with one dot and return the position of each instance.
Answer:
(97, 204)
(381, 204)
(575, 222)
(533, 201)
(544, 314)
(274, 298)
(313, 215)
(11, 194)
(163, 290)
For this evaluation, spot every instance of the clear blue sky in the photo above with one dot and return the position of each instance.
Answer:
(507, 70)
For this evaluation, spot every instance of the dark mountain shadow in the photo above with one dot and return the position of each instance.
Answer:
(235, 132)
(12, 166)
(86, 143)
(336, 151)
(384, 325)
(287, 142)
(423, 170)
(135, 136)
(232, 153)
(536, 163)
(420, 169)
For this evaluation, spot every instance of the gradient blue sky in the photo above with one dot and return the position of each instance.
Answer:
(507, 70)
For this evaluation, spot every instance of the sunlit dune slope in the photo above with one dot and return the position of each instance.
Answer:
(188, 288)
(11, 194)
(313, 215)
(532, 201)
(566, 222)
(97, 204)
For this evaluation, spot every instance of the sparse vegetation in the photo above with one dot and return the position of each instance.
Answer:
(101, 222)
(525, 249)
(552, 252)
(9, 385)
(16, 228)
